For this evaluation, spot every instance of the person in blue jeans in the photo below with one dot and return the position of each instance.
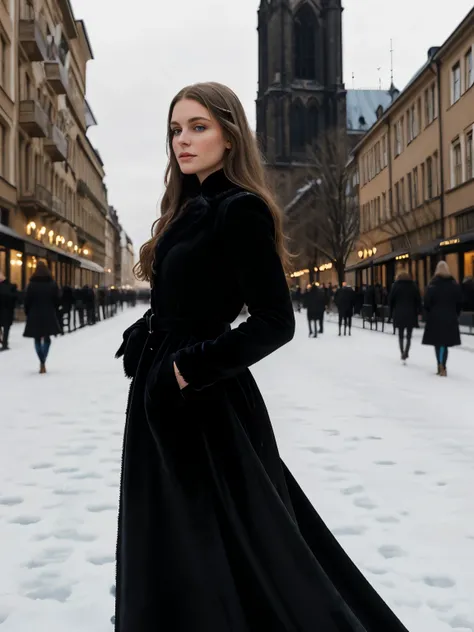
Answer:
(443, 303)
(41, 304)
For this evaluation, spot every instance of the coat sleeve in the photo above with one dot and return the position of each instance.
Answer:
(248, 239)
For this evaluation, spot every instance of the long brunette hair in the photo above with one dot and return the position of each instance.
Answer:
(243, 166)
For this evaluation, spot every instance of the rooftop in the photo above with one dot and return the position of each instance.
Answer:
(362, 107)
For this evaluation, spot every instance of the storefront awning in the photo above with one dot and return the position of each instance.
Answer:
(430, 248)
(452, 244)
(35, 248)
(90, 265)
(375, 261)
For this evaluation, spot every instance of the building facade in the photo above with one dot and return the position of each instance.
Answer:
(127, 262)
(416, 173)
(52, 195)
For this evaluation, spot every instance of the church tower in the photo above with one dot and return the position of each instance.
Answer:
(300, 91)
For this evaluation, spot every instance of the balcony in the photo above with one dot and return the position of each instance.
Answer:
(33, 119)
(33, 40)
(35, 199)
(56, 145)
(56, 76)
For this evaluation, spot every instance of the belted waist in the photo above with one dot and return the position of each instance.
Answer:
(185, 326)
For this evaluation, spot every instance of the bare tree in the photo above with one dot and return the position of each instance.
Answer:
(414, 228)
(326, 219)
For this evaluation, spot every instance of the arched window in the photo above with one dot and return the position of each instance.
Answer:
(313, 123)
(305, 33)
(298, 126)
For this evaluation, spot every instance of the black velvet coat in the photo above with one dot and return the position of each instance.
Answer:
(41, 305)
(215, 535)
(405, 304)
(443, 303)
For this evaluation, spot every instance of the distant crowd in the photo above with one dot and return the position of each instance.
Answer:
(440, 308)
(60, 310)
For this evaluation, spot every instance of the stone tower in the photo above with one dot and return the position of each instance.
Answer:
(300, 92)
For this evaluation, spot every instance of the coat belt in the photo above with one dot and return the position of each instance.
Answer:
(185, 326)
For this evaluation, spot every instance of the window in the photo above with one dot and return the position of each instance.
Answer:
(305, 37)
(410, 191)
(435, 173)
(456, 83)
(398, 137)
(409, 126)
(430, 104)
(377, 158)
(469, 165)
(384, 151)
(3, 61)
(3, 150)
(384, 206)
(468, 70)
(429, 177)
(313, 123)
(397, 197)
(298, 127)
(402, 194)
(457, 163)
(415, 186)
(418, 117)
(423, 183)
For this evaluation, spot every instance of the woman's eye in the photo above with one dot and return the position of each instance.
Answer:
(199, 128)
(175, 132)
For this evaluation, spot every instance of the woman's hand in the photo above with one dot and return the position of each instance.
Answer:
(180, 379)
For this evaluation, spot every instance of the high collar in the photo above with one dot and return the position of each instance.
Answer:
(213, 185)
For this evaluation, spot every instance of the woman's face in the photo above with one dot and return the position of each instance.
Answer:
(198, 140)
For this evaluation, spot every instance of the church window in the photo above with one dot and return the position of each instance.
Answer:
(298, 126)
(304, 35)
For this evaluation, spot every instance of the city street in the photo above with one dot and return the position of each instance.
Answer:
(384, 451)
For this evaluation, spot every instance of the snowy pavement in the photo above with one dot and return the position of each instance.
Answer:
(384, 451)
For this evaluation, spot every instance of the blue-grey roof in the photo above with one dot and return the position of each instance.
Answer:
(362, 106)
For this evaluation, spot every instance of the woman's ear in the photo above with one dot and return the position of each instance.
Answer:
(228, 145)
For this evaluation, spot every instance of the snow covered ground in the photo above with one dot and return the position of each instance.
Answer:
(385, 452)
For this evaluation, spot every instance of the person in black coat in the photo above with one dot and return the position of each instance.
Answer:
(405, 307)
(314, 301)
(443, 303)
(8, 297)
(41, 308)
(214, 533)
(345, 301)
(468, 294)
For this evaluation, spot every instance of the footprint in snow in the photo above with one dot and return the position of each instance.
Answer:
(390, 551)
(439, 581)
(365, 503)
(355, 489)
(10, 501)
(25, 520)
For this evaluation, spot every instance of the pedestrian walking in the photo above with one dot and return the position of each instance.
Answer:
(405, 307)
(345, 299)
(314, 301)
(8, 298)
(443, 303)
(214, 533)
(41, 308)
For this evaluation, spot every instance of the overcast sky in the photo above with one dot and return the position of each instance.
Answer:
(146, 50)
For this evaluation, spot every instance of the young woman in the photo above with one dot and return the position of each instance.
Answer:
(41, 305)
(214, 533)
(443, 303)
(405, 307)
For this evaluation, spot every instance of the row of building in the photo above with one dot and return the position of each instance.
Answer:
(411, 167)
(416, 172)
(53, 199)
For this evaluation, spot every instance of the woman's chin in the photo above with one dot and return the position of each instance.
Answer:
(188, 170)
